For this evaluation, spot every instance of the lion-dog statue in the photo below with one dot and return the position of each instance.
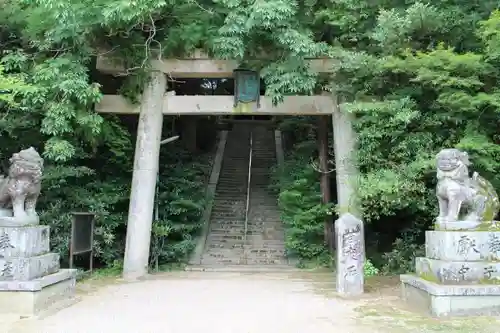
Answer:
(464, 202)
(21, 188)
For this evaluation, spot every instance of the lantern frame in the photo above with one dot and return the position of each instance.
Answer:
(246, 93)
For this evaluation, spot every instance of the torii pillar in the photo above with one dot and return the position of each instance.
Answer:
(142, 194)
(347, 173)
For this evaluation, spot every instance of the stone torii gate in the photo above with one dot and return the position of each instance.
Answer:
(156, 103)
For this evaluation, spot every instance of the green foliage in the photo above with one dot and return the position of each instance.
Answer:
(401, 259)
(300, 201)
(418, 79)
(369, 269)
(182, 201)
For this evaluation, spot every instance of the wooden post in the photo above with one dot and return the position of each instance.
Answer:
(189, 131)
(345, 152)
(147, 151)
(323, 122)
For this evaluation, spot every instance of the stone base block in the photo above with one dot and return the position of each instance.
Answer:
(457, 225)
(458, 272)
(24, 241)
(463, 245)
(10, 221)
(29, 298)
(25, 269)
(447, 300)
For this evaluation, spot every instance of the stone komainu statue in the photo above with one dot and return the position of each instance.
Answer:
(464, 202)
(21, 188)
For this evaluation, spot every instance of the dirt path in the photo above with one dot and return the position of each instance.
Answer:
(182, 302)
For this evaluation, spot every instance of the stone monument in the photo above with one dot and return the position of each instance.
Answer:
(350, 255)
(30, 276)
(460, 274)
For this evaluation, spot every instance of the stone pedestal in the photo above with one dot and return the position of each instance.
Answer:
(7, 219)
(460, 274)
(30, 276)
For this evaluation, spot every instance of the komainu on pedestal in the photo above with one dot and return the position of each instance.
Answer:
(19, 191)
(460, 274)
(31, 280)
(464, 202)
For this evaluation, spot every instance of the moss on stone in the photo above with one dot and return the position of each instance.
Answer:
(485, 226)
(490, 281)
(427, 277)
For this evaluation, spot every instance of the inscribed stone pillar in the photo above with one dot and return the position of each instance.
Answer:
(345, 165)
(147, 150)
(350, 255)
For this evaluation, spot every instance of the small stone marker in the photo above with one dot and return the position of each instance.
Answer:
(350, 255)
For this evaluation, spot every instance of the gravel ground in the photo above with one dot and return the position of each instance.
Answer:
(182, 302)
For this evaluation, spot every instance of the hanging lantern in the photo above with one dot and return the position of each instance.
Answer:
(246, 87)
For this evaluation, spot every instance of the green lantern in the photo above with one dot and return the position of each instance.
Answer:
(246, 87)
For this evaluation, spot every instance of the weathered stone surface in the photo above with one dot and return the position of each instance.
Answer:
(350, 255)
(463, 245)
(38, 284)
(464, 202)
(27, 298)
(451, 300)
(24, 241)
(458, 272)
(21, 188)
(28, 268)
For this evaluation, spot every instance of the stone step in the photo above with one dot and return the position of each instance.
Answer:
(228, 231)
(223, 261)
(223, 188)
(229, 210)
(219, 245)
(242, 258)
(267, 227)
(223, 227)
(262, 209)
(265, 251)
(223, 236)
(227, 223)
(282, 261)
(229, 214)
(234, 170)
(232, 220)
(271, 219)
(232, 243)
(236, 209)
(218, 253)
(242, 268)
(226, 203)
(231, 193)
(234, 181)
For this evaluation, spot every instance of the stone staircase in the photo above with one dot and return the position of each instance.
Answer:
(227, 244)
(266, 234)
